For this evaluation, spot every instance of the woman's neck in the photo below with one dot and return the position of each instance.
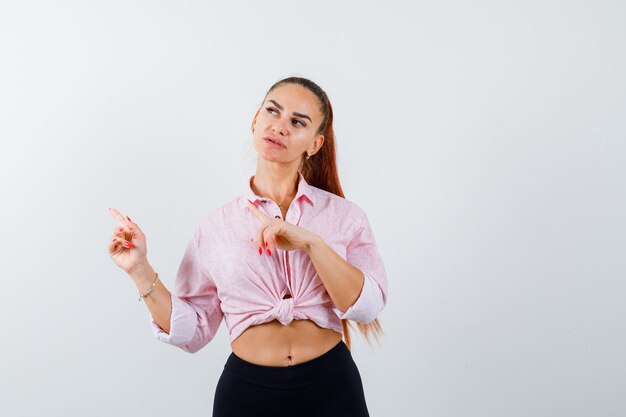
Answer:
(279, 188)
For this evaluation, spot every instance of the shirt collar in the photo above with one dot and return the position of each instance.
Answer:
(304, 189)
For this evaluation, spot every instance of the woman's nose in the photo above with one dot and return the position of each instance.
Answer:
(279, 128)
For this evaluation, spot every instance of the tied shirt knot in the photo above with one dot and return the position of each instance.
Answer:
(284, 310)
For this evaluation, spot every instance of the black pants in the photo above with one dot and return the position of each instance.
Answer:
(327, 386)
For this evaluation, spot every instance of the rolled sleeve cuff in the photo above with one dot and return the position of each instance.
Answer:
(367, 306)
(183, 323)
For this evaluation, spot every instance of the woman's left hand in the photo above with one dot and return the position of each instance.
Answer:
(279, 233)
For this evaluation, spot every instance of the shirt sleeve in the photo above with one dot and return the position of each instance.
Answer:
(362, 253)
(196, 312)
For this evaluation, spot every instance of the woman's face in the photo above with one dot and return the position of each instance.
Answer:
(290, 115)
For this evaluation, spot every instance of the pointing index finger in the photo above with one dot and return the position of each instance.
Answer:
(258, 213)
(121, 219)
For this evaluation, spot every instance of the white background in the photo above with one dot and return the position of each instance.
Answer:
(485, 140)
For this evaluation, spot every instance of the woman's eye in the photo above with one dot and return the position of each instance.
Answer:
(271, 109)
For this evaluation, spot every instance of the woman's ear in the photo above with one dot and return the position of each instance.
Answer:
(320, 140)
(254, 118)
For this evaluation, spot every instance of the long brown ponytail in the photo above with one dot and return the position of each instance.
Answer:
(321, 172)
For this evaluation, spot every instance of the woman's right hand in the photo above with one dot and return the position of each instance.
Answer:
(128, 248)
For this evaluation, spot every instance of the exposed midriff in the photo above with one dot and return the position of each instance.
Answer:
(275, 344)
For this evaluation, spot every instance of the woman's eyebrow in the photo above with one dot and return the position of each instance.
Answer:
(294, 113)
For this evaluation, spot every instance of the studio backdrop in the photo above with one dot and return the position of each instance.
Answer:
(485, 140)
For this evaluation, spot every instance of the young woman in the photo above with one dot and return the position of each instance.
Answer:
(286, 264)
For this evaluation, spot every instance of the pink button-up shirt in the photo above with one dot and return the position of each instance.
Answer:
(222, 275)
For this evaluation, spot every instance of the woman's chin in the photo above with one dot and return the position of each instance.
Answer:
(272, 156)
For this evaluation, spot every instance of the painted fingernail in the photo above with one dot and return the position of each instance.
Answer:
(121, 229)
(266, 244)
(260, 250)
(129, 219)
(113, 240)
(269, 251)
(127, 244)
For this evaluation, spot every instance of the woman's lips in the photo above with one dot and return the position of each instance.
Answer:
(274, 144)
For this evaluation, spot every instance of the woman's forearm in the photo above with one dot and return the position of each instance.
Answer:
(159, 301)
(343, 281)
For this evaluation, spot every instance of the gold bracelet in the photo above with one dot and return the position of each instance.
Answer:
(142, 296)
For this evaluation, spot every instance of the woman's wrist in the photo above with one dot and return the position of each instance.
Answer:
(142, 275)
(313, 242)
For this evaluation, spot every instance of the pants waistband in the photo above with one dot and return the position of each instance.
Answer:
(292, 376)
